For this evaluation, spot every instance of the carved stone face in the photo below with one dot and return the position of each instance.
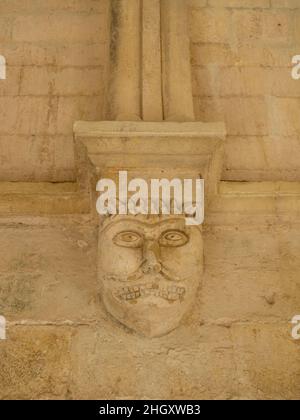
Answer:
(150, 271)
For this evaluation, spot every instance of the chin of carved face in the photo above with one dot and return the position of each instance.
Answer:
(149, 272)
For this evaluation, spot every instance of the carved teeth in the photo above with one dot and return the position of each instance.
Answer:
(171, 293)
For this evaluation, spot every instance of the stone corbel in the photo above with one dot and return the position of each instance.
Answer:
(161, 149)
(147, 283)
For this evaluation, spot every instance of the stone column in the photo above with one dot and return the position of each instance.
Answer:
(124, 98)
(176, 59)
(150, 61)
(152, 102)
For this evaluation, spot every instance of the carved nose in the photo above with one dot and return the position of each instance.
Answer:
(151, 267)
(151, 258)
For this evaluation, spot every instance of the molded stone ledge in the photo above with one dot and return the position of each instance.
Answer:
(47, 188)
(42, 198)
(150, 150)
(144, 129)
(30, 198)
(273, 189)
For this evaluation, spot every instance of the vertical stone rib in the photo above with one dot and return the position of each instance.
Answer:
(125, 56)
(151, 57)
(150, 61)
(177, 79)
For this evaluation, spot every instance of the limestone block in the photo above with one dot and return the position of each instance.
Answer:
(19, 199)
(283, 115)
(5, 29)
(60, 28)
(49, 275)
(74, 6)
(80, 54)
(210, 25)
(197, 3)
(35, 363)
(267, 361)
(50, 157)
(263, 26)
(243, 116)
(204, 54)
(28, 115)
(40, 162)
(240, 81)
(69, 109)
(12, 84)
(243, 272)
(188, 363)
(245, 153)
(289, 4)
(205, 81)
(277, 146)
(265, 294)
(282, 84)
(247, 4)
(62, 81)
(267, 54)
(251, 117)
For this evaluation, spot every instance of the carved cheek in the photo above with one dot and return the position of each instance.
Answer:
(175, 260)
(118, 260)
(186, 261)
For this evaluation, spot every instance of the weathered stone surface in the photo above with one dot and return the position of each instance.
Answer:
(48, 274)
(240, 49)
(35, 363)
(267, 361)
(235, 344)
(190, 363)
(241, 54)
(55, 54)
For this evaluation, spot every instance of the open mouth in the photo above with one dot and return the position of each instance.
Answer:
(171, 293)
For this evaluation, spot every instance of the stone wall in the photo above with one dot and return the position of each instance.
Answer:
(242, 53)
(55, 52)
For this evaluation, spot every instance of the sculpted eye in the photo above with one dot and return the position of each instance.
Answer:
(128, 239)
(173, 238)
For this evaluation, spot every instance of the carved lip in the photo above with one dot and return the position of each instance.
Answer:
(133, 293)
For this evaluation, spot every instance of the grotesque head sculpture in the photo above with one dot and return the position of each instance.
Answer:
(150, 269)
